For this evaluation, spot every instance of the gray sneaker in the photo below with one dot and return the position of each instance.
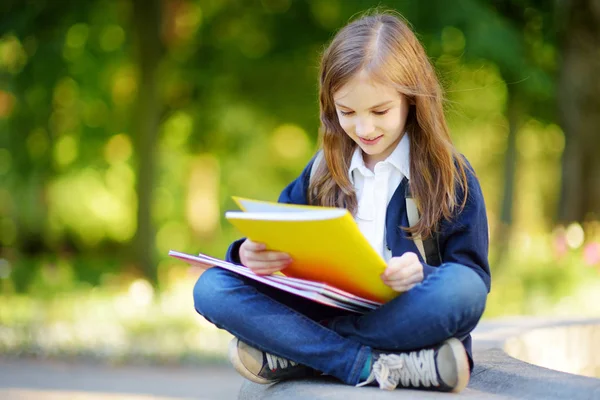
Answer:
(264, 368)
(444, 368)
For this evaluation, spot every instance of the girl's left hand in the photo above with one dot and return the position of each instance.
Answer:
(404, 272)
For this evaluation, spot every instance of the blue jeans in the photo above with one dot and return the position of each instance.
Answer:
(448, 303)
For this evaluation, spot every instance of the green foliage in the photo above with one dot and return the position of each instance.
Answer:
(535, 281)
(238, 115)
(125, 325)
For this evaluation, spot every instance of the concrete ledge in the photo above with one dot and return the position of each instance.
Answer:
(574, 348)
(497, 375)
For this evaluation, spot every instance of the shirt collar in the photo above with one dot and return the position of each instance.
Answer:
(399, 159)
(357, 163)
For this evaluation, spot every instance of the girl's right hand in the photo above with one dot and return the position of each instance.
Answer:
(261, 261)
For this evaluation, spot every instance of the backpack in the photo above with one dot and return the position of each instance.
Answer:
(428, 248)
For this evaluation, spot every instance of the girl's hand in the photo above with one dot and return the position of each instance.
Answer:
(404, 272)
(261, 261)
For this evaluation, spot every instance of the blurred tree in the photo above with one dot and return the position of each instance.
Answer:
(531, 21)
(31, 70)
(147, 25)
(579, 102)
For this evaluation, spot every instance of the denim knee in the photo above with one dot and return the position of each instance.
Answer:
(209, 294)
(465, 292)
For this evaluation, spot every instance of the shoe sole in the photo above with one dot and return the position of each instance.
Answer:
(234, 358)
(462, 364)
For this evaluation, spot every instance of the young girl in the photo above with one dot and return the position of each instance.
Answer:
(383, 130)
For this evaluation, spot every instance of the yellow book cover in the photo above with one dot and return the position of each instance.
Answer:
(324, 243)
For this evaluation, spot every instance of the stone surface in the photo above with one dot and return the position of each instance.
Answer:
(496, 374)
(574, 349)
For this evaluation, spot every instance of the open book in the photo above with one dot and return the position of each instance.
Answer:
(324, 243)
(332, 262)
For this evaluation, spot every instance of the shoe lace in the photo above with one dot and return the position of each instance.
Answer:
(274, 361)
(408, 369)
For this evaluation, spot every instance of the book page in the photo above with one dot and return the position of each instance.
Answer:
(312, 215)
(205, 262)
(259, 206)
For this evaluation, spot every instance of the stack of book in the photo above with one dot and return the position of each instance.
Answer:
(332, 262)
(315, 291)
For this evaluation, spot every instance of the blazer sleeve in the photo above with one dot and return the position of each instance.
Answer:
(465, 239)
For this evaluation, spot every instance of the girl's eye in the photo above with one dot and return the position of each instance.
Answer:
(346, 113)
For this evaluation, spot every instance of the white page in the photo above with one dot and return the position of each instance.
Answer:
(265, 207)
(286, 216)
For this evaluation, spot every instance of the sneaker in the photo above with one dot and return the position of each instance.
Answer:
(261, 367)
(444, 368)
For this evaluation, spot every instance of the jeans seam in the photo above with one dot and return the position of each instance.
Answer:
(359, 362)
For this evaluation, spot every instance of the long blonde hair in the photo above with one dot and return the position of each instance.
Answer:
(385, 47)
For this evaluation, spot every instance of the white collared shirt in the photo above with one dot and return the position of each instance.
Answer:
(374, 190)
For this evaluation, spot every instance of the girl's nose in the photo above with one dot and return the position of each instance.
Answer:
(364, 126)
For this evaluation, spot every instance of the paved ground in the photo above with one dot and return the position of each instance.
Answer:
(495, 376)
(29, 379)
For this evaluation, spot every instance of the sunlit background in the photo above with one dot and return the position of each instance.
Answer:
(127, 125)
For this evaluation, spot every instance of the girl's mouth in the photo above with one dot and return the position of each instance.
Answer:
(370, 141)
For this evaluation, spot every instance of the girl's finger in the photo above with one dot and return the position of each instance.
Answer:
(268, 270)
(414, 278)
(253, 246)
(404, 288)
(404, 261)
(399, 273)
(267, 256)
(267, 265)
(403, 281)
(397, 287)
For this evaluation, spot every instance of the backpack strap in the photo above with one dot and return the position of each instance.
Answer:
(315, 164)
(429, 248)
(413, 219)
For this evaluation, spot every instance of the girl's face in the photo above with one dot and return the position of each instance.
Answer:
(373, 115)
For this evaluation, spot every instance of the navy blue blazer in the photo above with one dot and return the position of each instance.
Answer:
(463, 240)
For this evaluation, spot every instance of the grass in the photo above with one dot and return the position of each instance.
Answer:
(132, 326)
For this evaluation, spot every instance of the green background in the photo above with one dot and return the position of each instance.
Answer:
(126, 126)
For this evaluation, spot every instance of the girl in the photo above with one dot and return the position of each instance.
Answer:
(383, 131)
